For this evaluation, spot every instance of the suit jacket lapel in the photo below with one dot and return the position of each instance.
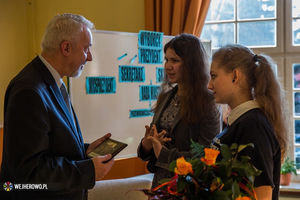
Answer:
(77, 127)
(58, 96)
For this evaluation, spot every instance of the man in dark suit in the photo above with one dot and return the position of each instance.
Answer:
(42, 139)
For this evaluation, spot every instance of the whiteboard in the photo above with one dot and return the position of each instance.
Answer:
(99, 114)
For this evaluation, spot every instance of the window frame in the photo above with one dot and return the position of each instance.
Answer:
(289, 25)
(291, 56)
(279, 27)
(290, 98)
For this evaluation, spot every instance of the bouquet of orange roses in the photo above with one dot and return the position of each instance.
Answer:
(203, 178)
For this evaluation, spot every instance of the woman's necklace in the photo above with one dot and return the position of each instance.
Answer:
(176, 102)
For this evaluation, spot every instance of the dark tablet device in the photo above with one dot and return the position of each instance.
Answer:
(109, 146)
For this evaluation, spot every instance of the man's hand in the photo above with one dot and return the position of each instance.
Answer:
(102, 169)
(94, 144)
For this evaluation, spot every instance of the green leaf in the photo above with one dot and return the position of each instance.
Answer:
(236, 164)
(235, 190)
(250, 171)
(223, 170)
(198, 167)
(172, 166)
(220, 195)
(243, 146)
(181, 183)
(289, 167)
(197, 150)
(228, 185)
(238, 174)
(233, 146)
(225, 152)
(208, 176)
(245, 159)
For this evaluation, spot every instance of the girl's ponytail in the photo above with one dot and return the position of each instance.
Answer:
(270, 95)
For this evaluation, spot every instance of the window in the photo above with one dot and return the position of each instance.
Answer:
(292, 74)
(235, 21)
(293, 70)
(293, 24)
(271, 27)
(293, 86)
(296, 22)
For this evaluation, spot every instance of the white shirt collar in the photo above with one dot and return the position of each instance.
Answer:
(241, 109)
(54, 73)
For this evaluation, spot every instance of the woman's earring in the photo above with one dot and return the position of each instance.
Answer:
(233, 80)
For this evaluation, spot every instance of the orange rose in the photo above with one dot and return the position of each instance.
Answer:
(210, 156)
(183, 167)
(242, 198)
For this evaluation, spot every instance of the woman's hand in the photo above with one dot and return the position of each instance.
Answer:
(157, 140)
(146, 143)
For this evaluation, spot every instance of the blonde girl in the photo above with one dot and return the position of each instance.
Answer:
(247, 83)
